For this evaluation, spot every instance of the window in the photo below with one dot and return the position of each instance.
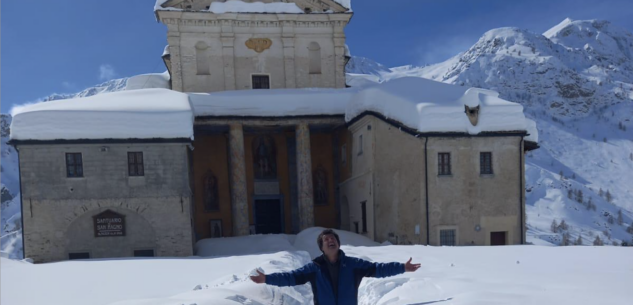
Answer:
(202, 58)
(363, 207)
(135, 164)
(444, 163)
(447, 237)
(344, 154)
(315, 58)
(74, 165)
(360, 145)
(143, 253)
(261, 82)
(79, 255)
(485, 163)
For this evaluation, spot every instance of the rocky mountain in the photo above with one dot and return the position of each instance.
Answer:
(576, 82)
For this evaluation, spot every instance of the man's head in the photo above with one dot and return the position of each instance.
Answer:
(328, 241)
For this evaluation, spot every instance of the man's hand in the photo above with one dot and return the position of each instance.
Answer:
(260, 278)
(409, 267)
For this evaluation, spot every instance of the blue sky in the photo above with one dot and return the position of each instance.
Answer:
(64, 46)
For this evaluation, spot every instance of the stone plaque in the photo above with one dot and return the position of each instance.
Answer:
(259, 44)
(266, 187)
(109, 223)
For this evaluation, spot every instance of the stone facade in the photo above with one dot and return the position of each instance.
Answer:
(393, 183)
(216, 52)
(58, 211)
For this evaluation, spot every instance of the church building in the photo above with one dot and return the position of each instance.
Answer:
(257, 132)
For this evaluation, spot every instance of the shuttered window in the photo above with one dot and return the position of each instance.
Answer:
(135, 164)
(444, 163)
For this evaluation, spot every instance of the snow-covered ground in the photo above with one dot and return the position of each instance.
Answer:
(449, 275)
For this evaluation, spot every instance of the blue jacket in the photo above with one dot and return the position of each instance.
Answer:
(351, 273)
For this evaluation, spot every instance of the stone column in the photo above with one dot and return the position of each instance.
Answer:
(228, 57)
(239, 198)
(304, 177)
(289, 61)
(173, 39)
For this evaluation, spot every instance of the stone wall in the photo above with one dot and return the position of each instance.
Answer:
(57, 210)
(209, 52)
(473, 204)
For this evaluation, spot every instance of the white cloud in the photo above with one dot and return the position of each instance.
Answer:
(106, 72)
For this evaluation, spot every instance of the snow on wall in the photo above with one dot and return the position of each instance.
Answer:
(137, 114)
(236, 6)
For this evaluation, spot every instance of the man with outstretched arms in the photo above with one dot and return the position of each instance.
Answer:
(334, 277)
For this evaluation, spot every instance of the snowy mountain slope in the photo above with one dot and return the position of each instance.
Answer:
(113, 85)
(576, 82)
(10, 214)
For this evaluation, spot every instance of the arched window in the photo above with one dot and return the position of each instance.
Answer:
(211, 199)
(265, 157)
(320, 186)
(315, 58)
(202, 58)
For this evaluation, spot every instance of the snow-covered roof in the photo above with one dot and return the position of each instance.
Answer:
(137, 114)
(419, 104)
(149, 81)
(238, 6)
(429, 106)
(272, 103)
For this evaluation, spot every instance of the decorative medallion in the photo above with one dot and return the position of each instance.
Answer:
(259, 44)
(473, 114)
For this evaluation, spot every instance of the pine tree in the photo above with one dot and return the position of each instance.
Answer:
(604, 140)
(569, 193)
(598, 241)
(620, 218)
(563, 225)
(579, 197)
(566, 241)
(554, 226)
(573, 176)
(620, 125)
(601, 192)
(631, 156)
(578, 241)
(630, 230)
(611, 220)
(562, 177)
(608, 196)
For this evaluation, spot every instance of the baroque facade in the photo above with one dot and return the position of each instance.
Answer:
(260, 174)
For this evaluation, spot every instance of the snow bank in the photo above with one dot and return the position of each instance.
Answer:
(136, 114)
(268, 103)
(237, 6)
(430, 106)
(307, 240)
(518, 275)
(244, 245)
(149, 81)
